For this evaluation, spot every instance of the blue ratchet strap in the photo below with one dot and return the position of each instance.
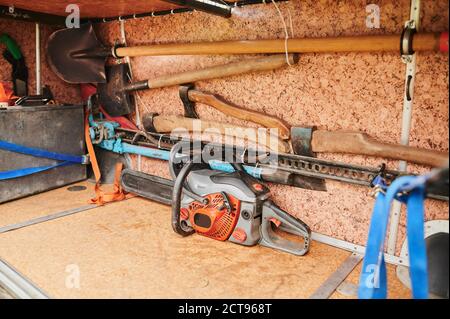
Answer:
(66, 159)
(373, 283)
(416, 243)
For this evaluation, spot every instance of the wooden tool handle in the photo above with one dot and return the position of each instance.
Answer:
(360, 143)
(240, 113)
(176, 124)
(378, 43)
(251, 65)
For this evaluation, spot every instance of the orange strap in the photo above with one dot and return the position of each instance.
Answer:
(100, 196)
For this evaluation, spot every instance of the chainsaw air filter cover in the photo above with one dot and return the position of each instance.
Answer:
(216, 219)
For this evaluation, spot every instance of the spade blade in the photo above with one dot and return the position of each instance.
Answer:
(112, 95)
(77, 56)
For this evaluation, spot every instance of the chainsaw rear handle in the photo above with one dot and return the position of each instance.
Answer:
(288, 223)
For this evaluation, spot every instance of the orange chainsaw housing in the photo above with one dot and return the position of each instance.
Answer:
(213, 220)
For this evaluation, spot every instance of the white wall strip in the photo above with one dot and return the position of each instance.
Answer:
(406, 126)
(38, 59)
(355, 248)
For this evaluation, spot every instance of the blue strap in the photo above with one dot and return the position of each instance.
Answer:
(29, 170)
(416, 243)
(66, 159)
(39, 152)
(373, 283)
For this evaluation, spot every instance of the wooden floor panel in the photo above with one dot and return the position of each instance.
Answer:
(128, 250)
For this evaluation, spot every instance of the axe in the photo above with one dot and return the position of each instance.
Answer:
(307, 141)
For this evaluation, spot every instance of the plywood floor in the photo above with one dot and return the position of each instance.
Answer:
(128, 250)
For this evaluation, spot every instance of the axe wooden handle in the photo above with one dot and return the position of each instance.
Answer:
(360, 143)
(265, 63)
(167, 124)
(240, 113)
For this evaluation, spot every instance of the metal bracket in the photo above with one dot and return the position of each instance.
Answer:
(406, 41)
(332, 283)
(189, 106)
(86, 159)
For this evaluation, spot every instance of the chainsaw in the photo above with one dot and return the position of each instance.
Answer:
(226, 206)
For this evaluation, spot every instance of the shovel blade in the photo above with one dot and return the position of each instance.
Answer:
(115, 100)
(77, 56)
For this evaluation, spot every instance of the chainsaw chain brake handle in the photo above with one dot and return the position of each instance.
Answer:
(272, 214)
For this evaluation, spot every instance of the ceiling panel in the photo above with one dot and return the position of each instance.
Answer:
(92, 8)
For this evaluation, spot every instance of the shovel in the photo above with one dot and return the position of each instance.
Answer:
(77, 56)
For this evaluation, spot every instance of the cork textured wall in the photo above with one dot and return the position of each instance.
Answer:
(351, 91)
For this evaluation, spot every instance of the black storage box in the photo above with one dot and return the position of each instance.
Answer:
(57, 129)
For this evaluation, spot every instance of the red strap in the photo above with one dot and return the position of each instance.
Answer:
(122, 120)
(443, 42)
(88, 89)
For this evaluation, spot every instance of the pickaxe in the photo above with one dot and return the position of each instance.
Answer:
(304, 140)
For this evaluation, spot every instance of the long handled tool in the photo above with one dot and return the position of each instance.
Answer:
(178, 125)
(76, 55)
(287, 169)
(307, 140)
(115, 96)
(360, 143)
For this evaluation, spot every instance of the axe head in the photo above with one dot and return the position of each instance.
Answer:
(112, 95)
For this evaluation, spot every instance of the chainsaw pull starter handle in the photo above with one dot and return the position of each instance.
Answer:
(287, 223)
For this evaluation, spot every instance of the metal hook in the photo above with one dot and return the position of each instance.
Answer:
(159, 141)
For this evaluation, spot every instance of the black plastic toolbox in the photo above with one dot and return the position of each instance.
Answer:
(53, 128)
